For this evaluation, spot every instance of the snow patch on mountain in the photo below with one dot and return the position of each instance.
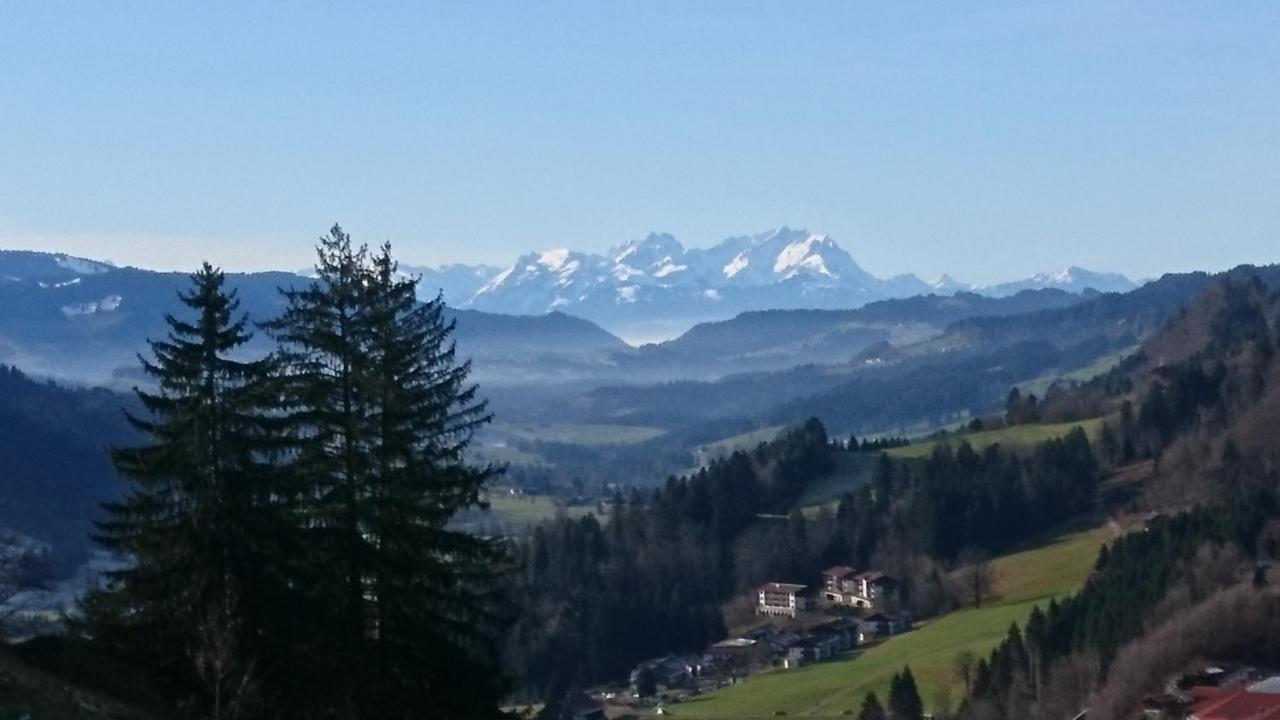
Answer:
(107, 304)
(66, 283)
(554, 259)
(499, 279)
(738, 264)
(669, 269)
(82, 266)
(798, 256)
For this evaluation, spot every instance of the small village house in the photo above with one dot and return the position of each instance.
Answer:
(882, 625)
(736, 656)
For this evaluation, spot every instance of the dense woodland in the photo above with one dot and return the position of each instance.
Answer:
(652, 578)
(53, 462)
(1196, 409)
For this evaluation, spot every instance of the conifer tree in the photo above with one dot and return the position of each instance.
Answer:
(904, 697)
(381, 412)
(197, 519)
(872, 709)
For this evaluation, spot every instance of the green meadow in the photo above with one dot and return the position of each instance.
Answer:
(1023, 435)
(1024, 579)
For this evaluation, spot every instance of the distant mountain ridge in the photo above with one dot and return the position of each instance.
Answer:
(657, 278)
(86, 321)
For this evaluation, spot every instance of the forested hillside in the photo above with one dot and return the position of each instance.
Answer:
(54, 469)
(1190, 433)
(967, 369)
(652, 578)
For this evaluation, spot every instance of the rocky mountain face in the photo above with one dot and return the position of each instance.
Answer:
(657, 280)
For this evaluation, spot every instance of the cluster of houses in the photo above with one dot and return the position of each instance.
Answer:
(850, 609)
(841, 586)
(734, 658)
(1217, 692)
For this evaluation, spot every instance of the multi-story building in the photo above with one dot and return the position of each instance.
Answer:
(780, 599)
(842, 585)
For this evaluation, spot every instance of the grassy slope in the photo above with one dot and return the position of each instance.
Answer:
(855, 469)
(705, 454)
(586, 435)
(1016, 435)
(852, 471)
(828, 689)
(529, 509)
(1040, 385)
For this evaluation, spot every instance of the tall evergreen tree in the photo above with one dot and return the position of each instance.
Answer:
(198, 519)
(381, 412)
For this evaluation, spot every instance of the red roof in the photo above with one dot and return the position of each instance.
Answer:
(1239, 704)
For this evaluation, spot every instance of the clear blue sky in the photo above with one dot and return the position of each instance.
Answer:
(986, 140)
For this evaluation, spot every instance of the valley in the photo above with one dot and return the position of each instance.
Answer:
(639, 361)
(756, 464)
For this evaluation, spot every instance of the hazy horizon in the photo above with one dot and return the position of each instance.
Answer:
(404, 257)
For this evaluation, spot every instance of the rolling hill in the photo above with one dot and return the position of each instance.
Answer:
(1054, 568)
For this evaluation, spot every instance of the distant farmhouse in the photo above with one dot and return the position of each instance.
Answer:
(842, 585)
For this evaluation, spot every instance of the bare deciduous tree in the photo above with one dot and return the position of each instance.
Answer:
(978, 574)
(228, 677)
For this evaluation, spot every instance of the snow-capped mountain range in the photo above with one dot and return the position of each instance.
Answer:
(657, 279)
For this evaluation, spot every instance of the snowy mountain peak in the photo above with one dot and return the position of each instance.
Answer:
(655, 278)
(799, 256)
(656, 256)
(1072, 279)
(554, 259)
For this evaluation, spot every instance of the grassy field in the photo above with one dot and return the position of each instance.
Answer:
(853, 470)
(829, 689)
(705, 454)
(1040, 385)
(574, 434)
(1016, 435)
(529, 509)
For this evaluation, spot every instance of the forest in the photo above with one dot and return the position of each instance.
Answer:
(652, 578)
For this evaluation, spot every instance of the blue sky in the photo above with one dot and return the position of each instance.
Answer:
(984, 140)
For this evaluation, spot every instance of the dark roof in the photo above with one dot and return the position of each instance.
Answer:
(885, 617)
(781, 587)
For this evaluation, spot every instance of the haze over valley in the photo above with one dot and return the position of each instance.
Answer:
(617, 361)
